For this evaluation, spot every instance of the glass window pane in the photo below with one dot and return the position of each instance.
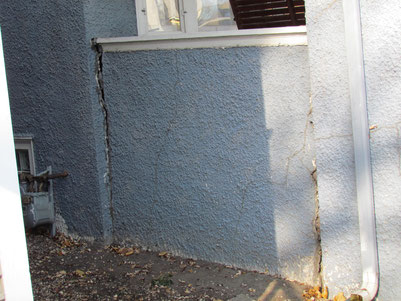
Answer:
(215, 15)
(23, 160)
(163, 15)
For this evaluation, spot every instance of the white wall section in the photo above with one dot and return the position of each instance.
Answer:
(13, 252)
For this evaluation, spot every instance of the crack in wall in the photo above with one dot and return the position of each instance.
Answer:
(106, 126)
(316, 228)
(308, 124)
(316, 222)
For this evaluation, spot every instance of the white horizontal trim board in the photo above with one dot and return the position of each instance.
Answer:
(284, 36)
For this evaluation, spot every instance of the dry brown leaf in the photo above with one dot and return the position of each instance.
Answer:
(130, 252)
(124, 251)
(340, 297)
(355, 297)
(314, 293)
(61, 273)
(79, 273)
(163, 254)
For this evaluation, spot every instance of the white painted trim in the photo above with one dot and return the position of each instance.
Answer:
(283, 36)
(142, 22)
(189, 15)
(13, 252)
(363, 168)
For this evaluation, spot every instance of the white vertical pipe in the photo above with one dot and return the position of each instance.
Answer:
(13, 253)
(360, 127)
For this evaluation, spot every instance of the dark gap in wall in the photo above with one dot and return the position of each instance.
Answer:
(106, 123)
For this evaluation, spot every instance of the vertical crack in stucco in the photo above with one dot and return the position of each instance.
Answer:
(316, 227)
(318, 265)
(308, 124)
(106, 126)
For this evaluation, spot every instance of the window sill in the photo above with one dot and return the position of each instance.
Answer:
(284, 36)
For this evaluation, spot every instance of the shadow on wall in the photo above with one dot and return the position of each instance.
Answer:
(191, 155)
(50, 101)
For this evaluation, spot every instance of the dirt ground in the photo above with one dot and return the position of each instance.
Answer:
(67, 269)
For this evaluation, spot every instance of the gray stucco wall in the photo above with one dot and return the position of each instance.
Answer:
(212, 155)
(334, 146)
(212, 148)
(107, 19)
(47, 76)
(50, 70)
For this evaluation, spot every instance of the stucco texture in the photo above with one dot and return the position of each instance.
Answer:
(334, 146)
(382, 48)
(47, 77)
(341, 265)
(51, 79)
(212, 155)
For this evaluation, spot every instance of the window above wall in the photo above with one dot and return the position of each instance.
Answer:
(179, 24)
(184, 16)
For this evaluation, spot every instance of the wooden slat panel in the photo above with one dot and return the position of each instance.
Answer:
(259, 6)
(292, 12)
(265, 12)
(247, 2)
(300, 11)
(268, 13)
(253, 2)
(270, 25)
(266, 19)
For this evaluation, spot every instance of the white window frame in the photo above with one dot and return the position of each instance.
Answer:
(187, 10)
(26, 143)
(189, 37)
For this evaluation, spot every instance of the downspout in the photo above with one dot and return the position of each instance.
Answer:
(360, 129)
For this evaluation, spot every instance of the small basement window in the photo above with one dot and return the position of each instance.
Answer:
(24, 155)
